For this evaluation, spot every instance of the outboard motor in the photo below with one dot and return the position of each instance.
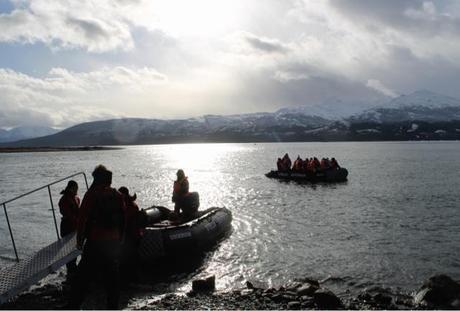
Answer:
(191, 202)
(150, 216)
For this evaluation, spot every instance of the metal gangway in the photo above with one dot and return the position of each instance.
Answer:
(28, 271)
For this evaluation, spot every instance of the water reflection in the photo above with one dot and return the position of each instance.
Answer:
(383, 226)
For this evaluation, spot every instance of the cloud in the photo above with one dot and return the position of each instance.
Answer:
(265, 44)
(378, 86)
(67, 24)
(64, 97)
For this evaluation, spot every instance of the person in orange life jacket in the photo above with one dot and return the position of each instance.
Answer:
(316, 163)
(68, 206)
(132, 236)
(322, 164)
(305, 165)
(180, 191)
(100, 228)
(297, 167)
(334, 164)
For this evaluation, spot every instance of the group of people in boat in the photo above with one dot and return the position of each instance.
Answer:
(108, 232)
(309, 165)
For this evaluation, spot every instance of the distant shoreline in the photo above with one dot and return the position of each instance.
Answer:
(55, 149)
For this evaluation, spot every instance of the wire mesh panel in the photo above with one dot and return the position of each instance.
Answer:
(20, 276)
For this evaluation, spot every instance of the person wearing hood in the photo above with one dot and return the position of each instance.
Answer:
(69, 205)
(100, 227)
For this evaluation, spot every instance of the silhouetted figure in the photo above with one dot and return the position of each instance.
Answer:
(334, 164)
(298, 165)
(68, 206)
(99, 233)
(129, 258)
(183, 207)
(279, 165)
(286, 163)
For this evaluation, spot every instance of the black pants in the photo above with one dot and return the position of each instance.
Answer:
(99, 257)
(67, 228)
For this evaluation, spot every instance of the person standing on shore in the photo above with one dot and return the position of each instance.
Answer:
(100, 224)
(68, 206)
(129, 258)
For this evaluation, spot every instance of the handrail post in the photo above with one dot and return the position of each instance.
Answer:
(11, 232)
(86, 181)
(54, 214)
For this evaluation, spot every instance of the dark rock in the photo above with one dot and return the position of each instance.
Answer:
(277, 297)
(365, 296)
(249, 285)
(438, 291)
(207, 284)
(325, 299)
(253, 284)
(293, 305)
(307, 289)
(246, 292)
(455, 304)
(310, 281)
(382, 299)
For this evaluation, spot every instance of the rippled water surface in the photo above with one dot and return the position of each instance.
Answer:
(394, 223)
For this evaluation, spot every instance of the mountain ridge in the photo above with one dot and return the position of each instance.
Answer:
(420, 115)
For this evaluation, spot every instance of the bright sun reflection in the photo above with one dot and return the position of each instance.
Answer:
(197, 17)
(198, 156)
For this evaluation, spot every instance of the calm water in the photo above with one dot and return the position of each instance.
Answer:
(394, 223)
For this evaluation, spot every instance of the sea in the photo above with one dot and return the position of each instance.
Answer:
(394, 223)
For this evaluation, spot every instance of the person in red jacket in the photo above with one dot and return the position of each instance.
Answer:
(132, 237)
(68, 206)
(180, 191)
(100, 226)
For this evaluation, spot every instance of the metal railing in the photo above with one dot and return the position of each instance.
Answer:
(51, 201)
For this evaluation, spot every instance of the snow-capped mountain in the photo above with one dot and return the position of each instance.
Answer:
(420, 105)
(420, 115)
(424, 98)
(25, 132)
(335, 108)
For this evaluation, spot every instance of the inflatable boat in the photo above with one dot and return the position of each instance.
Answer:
(331, 175)
(163, 239)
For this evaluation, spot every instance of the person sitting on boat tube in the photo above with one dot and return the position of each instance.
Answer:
(298, 164)
(334, 164)
(180, 192)
(287, 162)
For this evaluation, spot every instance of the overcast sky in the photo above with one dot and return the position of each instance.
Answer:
(64, 62)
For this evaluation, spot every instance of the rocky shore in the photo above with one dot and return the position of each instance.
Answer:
(438, 292)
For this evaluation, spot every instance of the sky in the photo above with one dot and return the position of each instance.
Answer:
(66, 62)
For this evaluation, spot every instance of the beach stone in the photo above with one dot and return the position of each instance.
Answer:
(293, 305)
(309, 281)
(253, 284)
(325, 299)
(307, 289)
(439, 290)
(207, 284)
(246, 292)
(382, 299)
(277, 297)
(455, 304)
